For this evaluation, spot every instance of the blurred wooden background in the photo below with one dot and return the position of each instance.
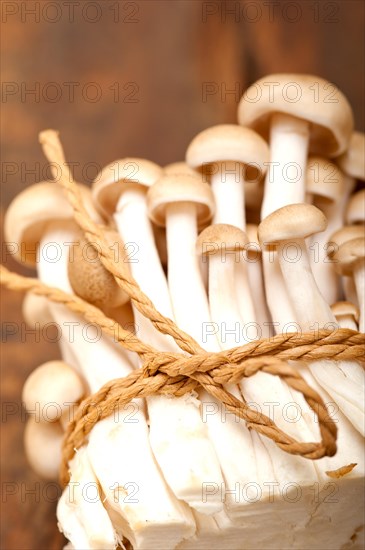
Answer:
(136, 78)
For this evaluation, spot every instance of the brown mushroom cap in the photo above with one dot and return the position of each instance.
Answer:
(295, 221)
(180, 188)
(230, 142)
(52, 382)
(43, 445)
(120, 175)
(324, 179)
(330, 115)
(35, 310)
(345, 234)
(341, 309)
(348, 255)
(355, 212)
(33, 209)
(178, 168)
(352, 162)
(220, 235)
(89, 278)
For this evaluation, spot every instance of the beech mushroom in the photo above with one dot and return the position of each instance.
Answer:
(169, 169)
(43, 443)
(36, 313)
(355, 212)
(350, 258)
(51, 389)
(325, 186)
(286, 229)
(180, 202)
(179, 439)
(339, 237)
(180, 167)
(231, 155)
(352, 161)
(295, 128)
(256, 279)
(287, 111)
(90, 280)
(347, 314)
(35, 310)
(82, 519)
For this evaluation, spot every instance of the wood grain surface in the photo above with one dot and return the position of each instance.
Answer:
(136, 78)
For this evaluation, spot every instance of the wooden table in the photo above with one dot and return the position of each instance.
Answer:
(137, 78)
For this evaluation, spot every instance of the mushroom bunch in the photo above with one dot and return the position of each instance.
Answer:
(259, 231)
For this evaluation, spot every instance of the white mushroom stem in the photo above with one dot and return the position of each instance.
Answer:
(328, 281)
(348, 285)
(359, 278)
(284, 184)
(276, 293)
(178, 436)
(343, 380)
(260, 390)
(82, 516)
(349, 290)
(228, 186)
(256, 284)
(185, 282)
(285, 178)
(347, 321)
(101, 360)
(228, 183)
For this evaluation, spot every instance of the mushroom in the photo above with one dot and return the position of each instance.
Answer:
(180, 201)
(178, 168)
(36, 313)
(350, 258)
(43, 444)
(256, 280)
(99, 360)
(339, 237)
(86, 524)
(352, 161)
(355, 212)
(88, 277)
(325, 187)
(296, 125)
(292, 110)
(51, 389)
(179, 439)
(262, 460)
(347, 314)
(286, 229)
(35, 310)
(231, 155)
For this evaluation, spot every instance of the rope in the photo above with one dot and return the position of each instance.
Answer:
(176, 374)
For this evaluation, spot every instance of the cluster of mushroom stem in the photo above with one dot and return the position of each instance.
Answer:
(259, 231)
